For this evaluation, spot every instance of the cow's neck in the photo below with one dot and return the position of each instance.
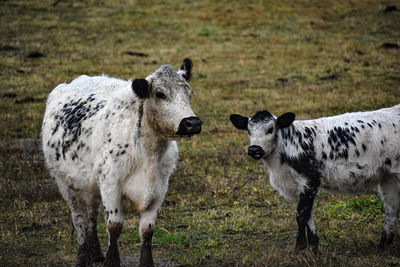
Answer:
(152, 141)
(271, 161)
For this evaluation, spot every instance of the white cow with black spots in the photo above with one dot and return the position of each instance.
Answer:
(348, 153)
(106, 139)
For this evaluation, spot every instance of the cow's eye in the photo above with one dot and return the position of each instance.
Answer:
(270, 130)
(161, 95)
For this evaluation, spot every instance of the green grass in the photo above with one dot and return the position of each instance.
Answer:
(314, 58)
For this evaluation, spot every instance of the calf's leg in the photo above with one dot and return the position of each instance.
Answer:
(312, 237)
(307, 236)
(390, 194)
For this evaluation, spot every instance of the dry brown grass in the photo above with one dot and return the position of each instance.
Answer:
(314, 58)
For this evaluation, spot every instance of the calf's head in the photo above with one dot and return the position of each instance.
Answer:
(166, 107)
(263, 130)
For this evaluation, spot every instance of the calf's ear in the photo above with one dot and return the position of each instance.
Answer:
(186, 69)
(285, 120)
(140, 87)
(239, 121)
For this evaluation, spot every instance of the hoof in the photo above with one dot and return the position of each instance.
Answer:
(300, 248)
(110, 263)
(314, 250)
(146, 264)
(386, 240)
(112, 258)
(303, 249)
(98, 258)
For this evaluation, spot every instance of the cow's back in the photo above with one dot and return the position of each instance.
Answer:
(74, 123)
(351, 152)
(358, 149)
(103, 87)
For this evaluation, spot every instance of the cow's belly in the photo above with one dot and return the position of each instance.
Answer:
(350, 181)
(76, 178)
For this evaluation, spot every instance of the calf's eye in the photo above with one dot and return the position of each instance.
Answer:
(161, 95)
(270, 130)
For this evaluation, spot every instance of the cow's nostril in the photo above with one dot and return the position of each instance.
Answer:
(256, 152)
(189, 126)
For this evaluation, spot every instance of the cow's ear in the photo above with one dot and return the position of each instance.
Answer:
(239, 121)
(186, 69)
(285, 120)
(140, 87)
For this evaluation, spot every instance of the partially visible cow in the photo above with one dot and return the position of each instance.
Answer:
(106, 139)
(348, 153)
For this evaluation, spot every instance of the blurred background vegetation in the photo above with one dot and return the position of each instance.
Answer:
(314, 58)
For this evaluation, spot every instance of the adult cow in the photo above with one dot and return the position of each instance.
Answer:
(105, 139)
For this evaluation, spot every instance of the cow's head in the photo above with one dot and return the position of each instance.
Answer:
(166, 94)
(263, 130)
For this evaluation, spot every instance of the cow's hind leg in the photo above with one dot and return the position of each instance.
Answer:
(390, 194)
(79, 219)
(95, 253)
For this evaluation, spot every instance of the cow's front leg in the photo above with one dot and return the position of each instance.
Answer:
(312, 237)
(146, 231)
(112, 202)
(307, 236)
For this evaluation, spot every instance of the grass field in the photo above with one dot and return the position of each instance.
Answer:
(314, 58)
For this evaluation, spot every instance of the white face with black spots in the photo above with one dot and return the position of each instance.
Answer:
(263, 130)
(262, 134)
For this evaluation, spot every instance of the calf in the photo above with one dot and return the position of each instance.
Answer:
(105, 139)
(348, 153)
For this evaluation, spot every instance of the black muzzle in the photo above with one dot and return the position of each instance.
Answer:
(189, 126)
(256, 152)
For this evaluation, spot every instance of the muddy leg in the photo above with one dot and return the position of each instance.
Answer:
(146, 257)
(306, 236)
(95, 253)
(80, 224)
(312, 237)
(146, 231)
(79, 219)
(114, 217)
(112, 257)
(390, 195)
